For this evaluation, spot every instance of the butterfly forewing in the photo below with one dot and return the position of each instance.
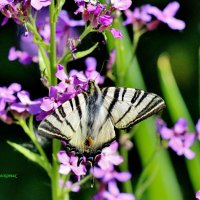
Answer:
(128, 106)
(67, 122)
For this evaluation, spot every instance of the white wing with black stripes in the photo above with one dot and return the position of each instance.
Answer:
(128, 106)
(86, 122)
(67, 122)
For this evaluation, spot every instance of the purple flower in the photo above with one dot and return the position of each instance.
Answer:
(91, 73)
(7, 94)
(38, 4)
(113, 193)
(142, 16)
(68, 185)
(198, 129)
(25, 104)
(121, 4)
(167, 15)
(110, 174)
(69, 164)
(105, 20)
(101, 17)
(139, 17)
(17, 101)
(111, 60)
(180, 140)
(7, 97)
(116, 33)
(72, 85)
(17, 10)
(23, 56)
(51, 102)
(198, 195)
(109, 157)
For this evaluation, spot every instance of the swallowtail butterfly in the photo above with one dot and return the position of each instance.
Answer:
(87, 121)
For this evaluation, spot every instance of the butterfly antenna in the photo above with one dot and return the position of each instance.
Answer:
(100, 70)
(92, 183)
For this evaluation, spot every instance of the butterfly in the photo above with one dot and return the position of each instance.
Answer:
(87, 121)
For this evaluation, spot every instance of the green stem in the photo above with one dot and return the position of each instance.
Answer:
(199, 80)
(55, 143)
(43, 47)
(127, 186)
(52, 43)
(87, 30)
(55, 174)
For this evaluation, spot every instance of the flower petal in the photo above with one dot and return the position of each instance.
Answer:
(60, 73)
(47, 104)
(122, 176)
(198, 195)
(24, 97)
(64, 169)
(63, 157)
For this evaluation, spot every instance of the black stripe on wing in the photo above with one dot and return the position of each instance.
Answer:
(61, 111)
(46, 128)
(113, 102)
(132, 106)
(115, 99)
(136, 95)
(153, 107)
(77, 102)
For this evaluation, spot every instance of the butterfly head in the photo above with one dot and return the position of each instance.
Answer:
(93, 87)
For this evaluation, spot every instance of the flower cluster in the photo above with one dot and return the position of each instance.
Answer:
(65, 32)
(19, 10)
(104, 171)
(17, 102)
(179, 139)
(69, 166)
(108, 176)
(101, 16)
(69, 86)
(150, 16)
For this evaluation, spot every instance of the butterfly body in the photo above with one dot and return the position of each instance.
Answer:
(87, 121)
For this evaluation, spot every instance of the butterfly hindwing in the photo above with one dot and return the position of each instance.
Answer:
(128, 106)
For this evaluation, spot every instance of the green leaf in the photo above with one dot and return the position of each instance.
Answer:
(68, 57)
(81, 54)
(172, 96)
(28, 154)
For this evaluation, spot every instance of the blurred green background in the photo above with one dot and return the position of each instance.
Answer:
(32, 182)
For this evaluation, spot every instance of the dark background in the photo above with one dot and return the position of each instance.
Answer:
(32, 182)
